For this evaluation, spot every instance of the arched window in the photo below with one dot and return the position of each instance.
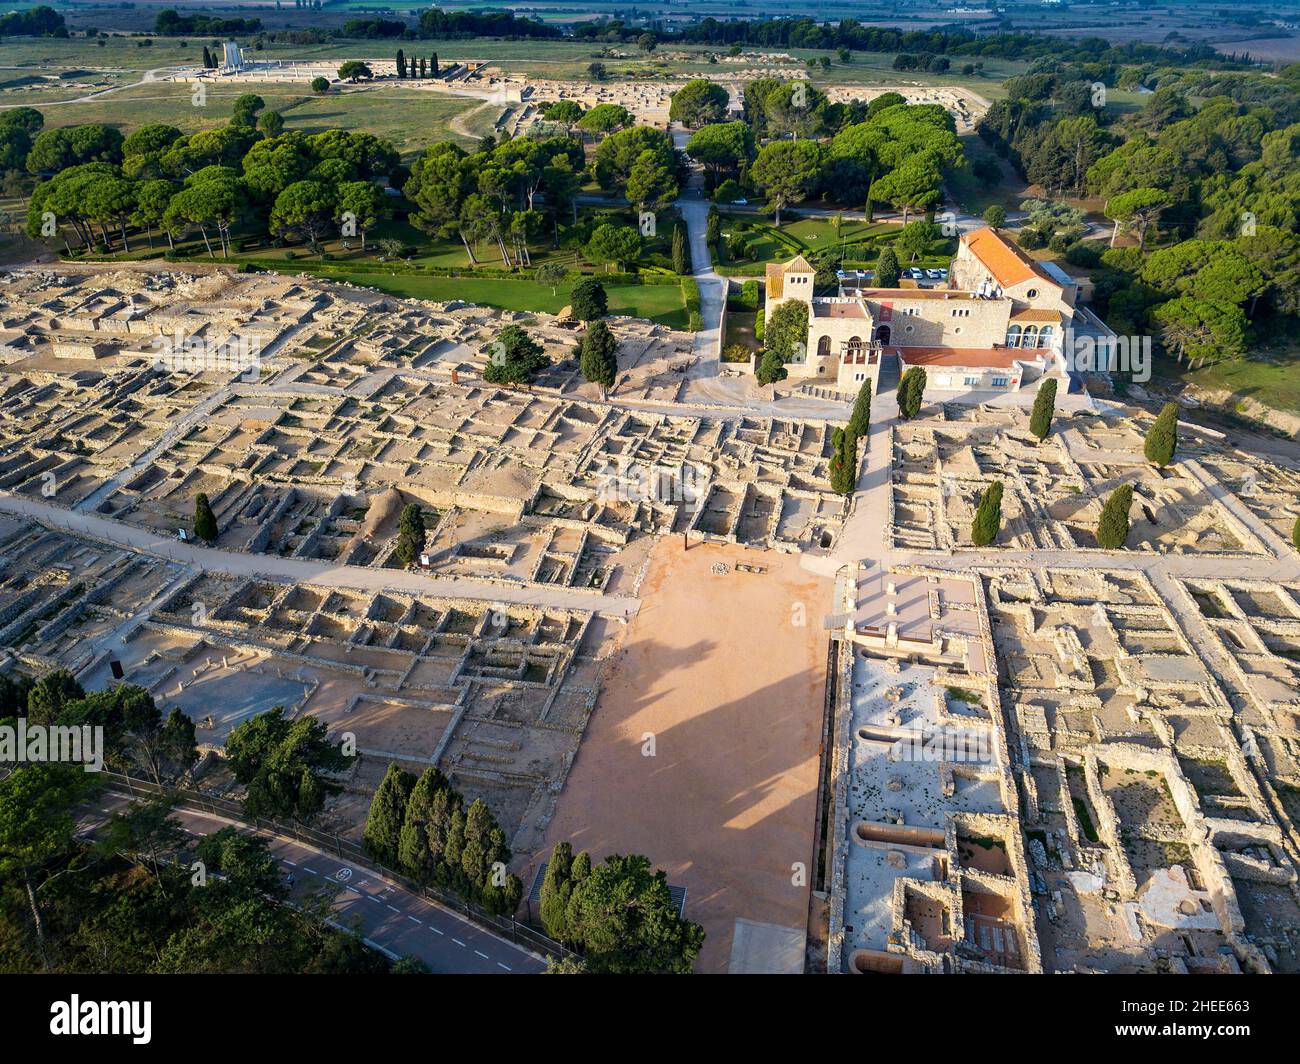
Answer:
(1045, 336)
(1030, 338)
(824, 347)
(1013, 336)
(882, 334)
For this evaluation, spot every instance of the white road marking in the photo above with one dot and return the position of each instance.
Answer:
(483, 955)
(459, 942)
(395, 908)
(415, 921)
(435, 930)
(289, 862)
(505, 966)
(311, 870)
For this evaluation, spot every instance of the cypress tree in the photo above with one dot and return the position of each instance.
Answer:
(1295, 533)
(205, 521)
(1162, 437)
(887, 269)
(452, 873)
(410, 534)
(860, 419)
(1112, 527)
(911, 392)
(414, 851)
(434, 64)
(557, 887)
(383, 830)
(1040, 421)
(681, 256)
(844, 464)
(598, 360)
(401, 63)
(988, 516)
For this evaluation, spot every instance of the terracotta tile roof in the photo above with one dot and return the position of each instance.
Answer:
(839, 310)
(972, 357)
(1032, 314)
(775, 280)
(1007, 263)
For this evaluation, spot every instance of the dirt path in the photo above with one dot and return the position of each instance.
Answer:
(731, 691)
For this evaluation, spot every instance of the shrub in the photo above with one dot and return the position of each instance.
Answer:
(588, 300)
(1083, 253)
(727, 192)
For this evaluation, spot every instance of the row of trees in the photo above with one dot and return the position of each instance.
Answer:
(131, 900)
(417, 68)
(422, 827)
(502, 195)
(884, 152)
(137, 737)
(291, 184)
(619, 914)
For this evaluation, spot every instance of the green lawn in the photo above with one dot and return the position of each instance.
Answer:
(799, 236)
(1271, 378)
(659, 303)
(411, 119)
(859, 240)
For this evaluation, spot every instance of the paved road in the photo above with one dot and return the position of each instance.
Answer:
(303, 570)
(390, 919)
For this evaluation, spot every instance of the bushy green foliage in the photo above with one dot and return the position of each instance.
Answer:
(619, 914)
(410, 534)
(513, 357)
(588, 301)
(280, 763)
(911, 392)
(887, 268)
(844, 462)
(423, 828)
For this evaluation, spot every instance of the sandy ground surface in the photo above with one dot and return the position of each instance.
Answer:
(732, 691)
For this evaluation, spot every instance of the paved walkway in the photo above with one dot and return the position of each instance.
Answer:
(303, 570)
